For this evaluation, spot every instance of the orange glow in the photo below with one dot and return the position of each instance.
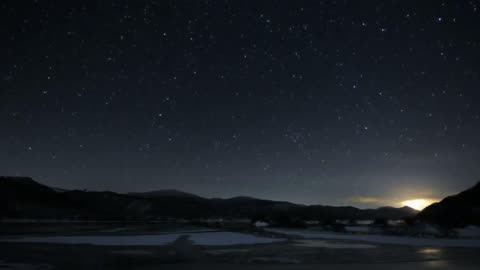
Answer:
(418, 204)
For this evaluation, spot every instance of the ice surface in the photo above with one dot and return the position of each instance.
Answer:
(115, 230)
(204, 238)
(328, 244)
(357, 229)
(470, 231)
(383, 239)
(229, 238)
(103, 240)
(24, 266)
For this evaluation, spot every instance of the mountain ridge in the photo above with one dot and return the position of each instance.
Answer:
(456, 210)
(163, 192)
(32, 199)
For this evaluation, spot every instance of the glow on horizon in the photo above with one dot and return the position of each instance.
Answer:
(418, 204)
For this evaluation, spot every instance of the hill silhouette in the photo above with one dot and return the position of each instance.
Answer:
(22, 197)
(455, 211)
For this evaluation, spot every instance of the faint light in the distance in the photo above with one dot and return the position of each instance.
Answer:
(418, 204)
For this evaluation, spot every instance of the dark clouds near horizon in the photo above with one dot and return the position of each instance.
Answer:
(306, 101)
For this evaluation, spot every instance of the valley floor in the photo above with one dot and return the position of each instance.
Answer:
(221, 251)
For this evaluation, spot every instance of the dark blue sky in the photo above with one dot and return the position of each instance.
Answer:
(330, 102)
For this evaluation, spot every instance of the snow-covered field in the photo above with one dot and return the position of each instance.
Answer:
(199, 238)
(383, 239)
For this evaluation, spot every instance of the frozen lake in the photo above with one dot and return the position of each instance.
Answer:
(437, 265)
(383, 239)
(198, 238)
(331, 245)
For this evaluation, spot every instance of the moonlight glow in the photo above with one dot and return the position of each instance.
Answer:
(418, 204)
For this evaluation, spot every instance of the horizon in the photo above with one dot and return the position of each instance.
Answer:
(398, 205)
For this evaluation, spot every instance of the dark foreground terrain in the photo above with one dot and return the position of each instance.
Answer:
(47, 228)
(285, 253)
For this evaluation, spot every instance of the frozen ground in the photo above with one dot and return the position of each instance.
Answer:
(357, 229)
(383, 239)
(437, 265)
(469, 232)
(113, 230)
(198, 238)
(24, 266)
(229, 238)
(328, 244)
(180, 248)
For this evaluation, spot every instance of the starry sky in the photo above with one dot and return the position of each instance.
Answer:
(360, 103)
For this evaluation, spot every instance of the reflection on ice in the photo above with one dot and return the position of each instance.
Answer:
(439, 264)
(430, 251)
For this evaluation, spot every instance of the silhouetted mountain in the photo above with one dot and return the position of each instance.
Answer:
(22, 184)
(243, 206)
(396, 213)
(21, 197)
(455, 211)
(25, 198)
(163, 193)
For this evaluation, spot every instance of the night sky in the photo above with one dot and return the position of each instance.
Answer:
(361, 103)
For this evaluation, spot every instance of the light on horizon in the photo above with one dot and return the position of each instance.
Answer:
(418, 204)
